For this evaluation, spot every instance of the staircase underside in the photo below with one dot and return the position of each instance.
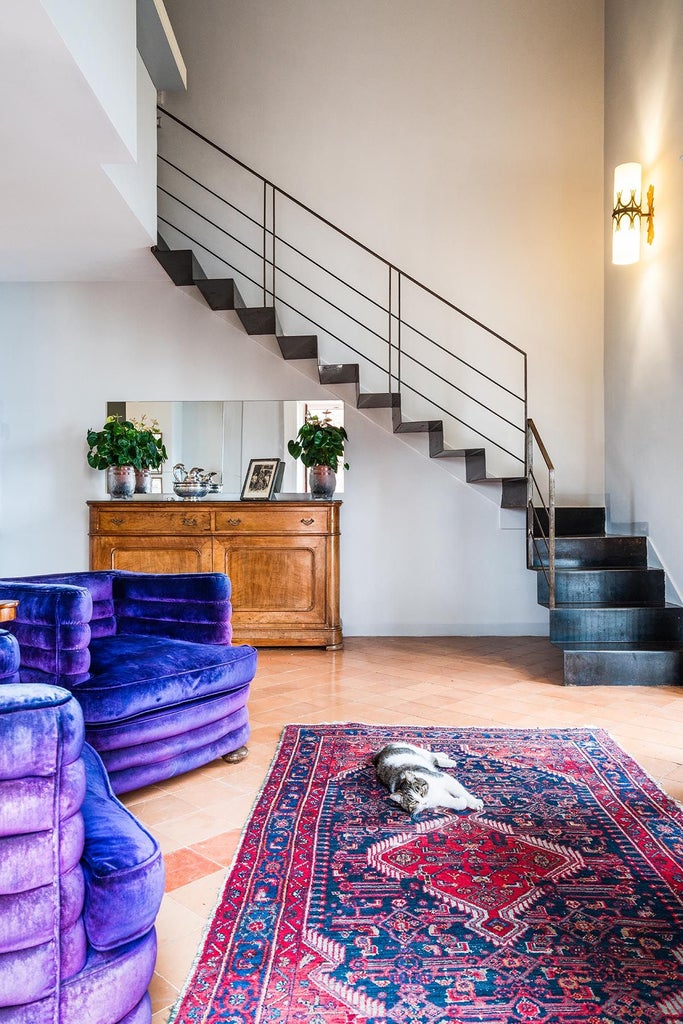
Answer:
(610, 618)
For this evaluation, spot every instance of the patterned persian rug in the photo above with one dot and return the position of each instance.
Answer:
(560, 903)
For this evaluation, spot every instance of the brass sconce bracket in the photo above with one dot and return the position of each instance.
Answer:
(632, 209)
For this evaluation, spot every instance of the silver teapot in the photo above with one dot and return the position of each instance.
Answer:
(193, 483)
(189, 484)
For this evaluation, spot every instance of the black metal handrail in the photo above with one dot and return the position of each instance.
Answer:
(397, 279)
(536, 530)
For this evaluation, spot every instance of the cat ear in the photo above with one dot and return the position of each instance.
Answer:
(396, 797)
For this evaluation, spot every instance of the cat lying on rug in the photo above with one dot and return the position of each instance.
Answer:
(415, 782)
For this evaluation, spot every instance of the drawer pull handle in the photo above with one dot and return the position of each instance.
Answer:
(307, 522)
(189, 521)
(234, 522)
(117, 521)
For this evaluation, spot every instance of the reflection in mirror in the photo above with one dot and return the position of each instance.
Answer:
(223, 437)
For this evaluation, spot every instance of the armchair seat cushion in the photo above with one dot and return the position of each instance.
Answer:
(131, 675)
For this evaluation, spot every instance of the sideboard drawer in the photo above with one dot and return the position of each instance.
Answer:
(273, 519)
(146, 521)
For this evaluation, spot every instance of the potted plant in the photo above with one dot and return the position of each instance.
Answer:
(320, 446)
(123, 447)
(152, 453)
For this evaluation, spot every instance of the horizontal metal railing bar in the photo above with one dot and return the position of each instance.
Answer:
(269, 263)
(330, 273)
(259, 284)
(280, 270)
(342, 341)
(463, 423)
(340, 231)
(356, 291)
(329, 302)
(454, 355)
(211, 192)
(268, 231)
(218, 227)
(283, 302)
(444, 380)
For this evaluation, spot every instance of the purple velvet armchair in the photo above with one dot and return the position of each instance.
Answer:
(81, 880)
(150, 660)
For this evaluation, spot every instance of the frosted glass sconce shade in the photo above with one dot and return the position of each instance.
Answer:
(627, 213)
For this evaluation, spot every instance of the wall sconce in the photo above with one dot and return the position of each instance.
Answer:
(627, 214)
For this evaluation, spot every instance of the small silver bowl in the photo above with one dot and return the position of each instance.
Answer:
(189, 490)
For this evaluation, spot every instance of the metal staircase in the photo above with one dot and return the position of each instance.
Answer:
(607, 610)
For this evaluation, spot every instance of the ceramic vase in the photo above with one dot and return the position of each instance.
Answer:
(322, 481)
(121, 481)
(143, 481)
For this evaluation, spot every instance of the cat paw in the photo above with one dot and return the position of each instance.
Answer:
(475, 804)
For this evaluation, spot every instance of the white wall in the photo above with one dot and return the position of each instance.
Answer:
(137, 182)
(461, 140)
(101, 38)
(644, 302)
(422, 553)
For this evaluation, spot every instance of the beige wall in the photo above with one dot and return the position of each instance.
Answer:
(644, 302)
(460, 139)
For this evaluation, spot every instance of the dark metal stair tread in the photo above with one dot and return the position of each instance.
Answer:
(454, 453)
(668, 606)
(602, 536)
(618, 646)
(568, 570)
(417, 426)
(623, 606)
(378, 400)
(298, 346)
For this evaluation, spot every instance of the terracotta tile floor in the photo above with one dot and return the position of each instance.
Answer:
(420, 681)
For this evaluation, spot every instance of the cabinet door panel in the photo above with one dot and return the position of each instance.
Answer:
(152, 554)
(275, 579)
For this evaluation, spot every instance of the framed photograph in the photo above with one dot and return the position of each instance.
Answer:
(259, 483)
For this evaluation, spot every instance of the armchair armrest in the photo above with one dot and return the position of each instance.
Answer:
(187, 606)
(52, 627)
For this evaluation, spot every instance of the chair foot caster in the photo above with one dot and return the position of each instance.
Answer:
(235, 756)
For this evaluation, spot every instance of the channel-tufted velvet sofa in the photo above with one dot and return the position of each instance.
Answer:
(150, 660)
(81, 881)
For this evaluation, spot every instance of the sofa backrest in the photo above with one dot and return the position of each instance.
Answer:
(99, 585)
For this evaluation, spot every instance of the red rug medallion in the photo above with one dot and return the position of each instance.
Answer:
(561, 902)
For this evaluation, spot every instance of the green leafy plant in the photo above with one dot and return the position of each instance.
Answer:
(126, 443)
(319, 443)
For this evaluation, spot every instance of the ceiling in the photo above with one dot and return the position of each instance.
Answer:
(61, 217)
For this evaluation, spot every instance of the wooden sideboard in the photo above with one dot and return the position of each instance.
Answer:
(281, 556)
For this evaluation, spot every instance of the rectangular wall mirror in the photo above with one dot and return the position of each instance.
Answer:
(223, 437)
